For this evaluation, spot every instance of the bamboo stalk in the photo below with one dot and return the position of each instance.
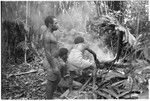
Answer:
(25, 54)
(138, 21)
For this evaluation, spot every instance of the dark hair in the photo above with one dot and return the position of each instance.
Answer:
(62, 52)
(49, 19)
(78, 40)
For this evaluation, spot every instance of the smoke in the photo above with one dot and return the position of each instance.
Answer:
(76, 17)
(71, 20)
(74, 22)
(103, 54)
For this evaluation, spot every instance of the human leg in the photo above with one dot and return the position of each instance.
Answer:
(52, 83)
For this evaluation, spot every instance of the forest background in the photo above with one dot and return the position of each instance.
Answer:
(22, 24)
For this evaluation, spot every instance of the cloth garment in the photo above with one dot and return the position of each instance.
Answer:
(76, 60)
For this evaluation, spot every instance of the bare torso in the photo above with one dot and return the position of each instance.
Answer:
(50, 43)
(51, 48)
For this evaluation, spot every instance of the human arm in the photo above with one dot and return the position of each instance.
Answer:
(50, 59)
(119, 44)
(85, 63)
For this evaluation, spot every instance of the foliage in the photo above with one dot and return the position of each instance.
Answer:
(94, 23)
(13, 40)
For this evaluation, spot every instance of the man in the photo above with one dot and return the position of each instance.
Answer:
(51, 50)
(76, 58)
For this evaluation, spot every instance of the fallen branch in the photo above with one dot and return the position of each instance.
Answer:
(106, 65)
(94, 81)
(85, 84)
(24, 73)
(64, 95)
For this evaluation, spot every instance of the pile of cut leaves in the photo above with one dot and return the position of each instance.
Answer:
(122, 81)
(118, 81)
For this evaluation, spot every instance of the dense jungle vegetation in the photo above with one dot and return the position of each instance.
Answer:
(22, 54)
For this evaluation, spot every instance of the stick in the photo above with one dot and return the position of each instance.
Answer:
(94, 81)
(64, 94)
(85, 84)
(106, 65)
(31, 71)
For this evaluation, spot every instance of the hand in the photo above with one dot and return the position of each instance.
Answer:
(93, 63)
